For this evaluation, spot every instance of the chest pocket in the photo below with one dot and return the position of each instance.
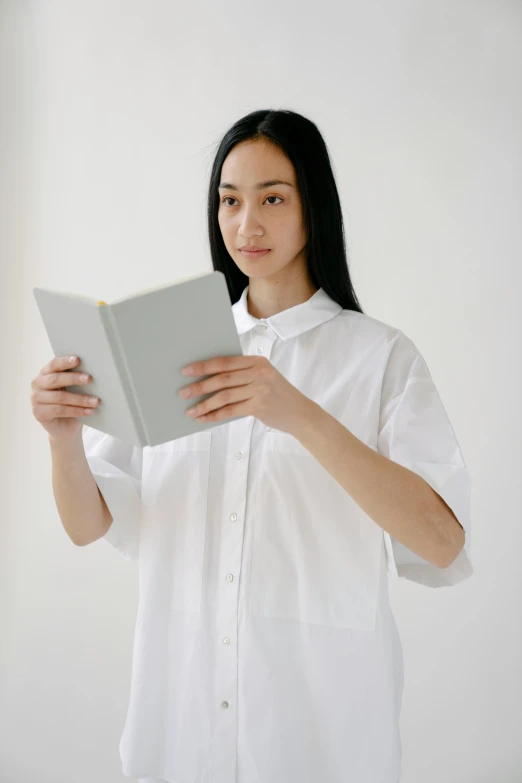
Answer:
(174, 502)
(316, 554)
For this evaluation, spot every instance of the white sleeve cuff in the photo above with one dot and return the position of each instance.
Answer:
(122, 495)
(452, 483)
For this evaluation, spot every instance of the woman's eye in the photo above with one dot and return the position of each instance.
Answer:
(233, 199)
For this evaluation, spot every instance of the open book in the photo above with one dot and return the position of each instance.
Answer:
(135, 348)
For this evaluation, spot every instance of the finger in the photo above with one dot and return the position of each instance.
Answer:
(219, 400)
(63, 397)
(56, 380)
(224, 380)
(235, 409)
(50, 412)
(59, 363)
(221, 364)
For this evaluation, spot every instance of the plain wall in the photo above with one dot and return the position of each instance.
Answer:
(111, 112)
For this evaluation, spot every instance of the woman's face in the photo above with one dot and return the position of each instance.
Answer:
(268, 216)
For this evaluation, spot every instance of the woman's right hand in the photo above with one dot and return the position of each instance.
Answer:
(55, 408)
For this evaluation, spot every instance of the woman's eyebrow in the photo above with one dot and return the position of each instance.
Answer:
(259, 186)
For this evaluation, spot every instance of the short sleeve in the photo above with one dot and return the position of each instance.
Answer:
(116, 467)
(415, 432)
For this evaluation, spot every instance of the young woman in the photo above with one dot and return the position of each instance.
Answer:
(265, 648)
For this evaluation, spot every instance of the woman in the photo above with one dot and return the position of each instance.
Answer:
(265, 647)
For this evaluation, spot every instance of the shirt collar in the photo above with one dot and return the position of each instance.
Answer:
(291, 322)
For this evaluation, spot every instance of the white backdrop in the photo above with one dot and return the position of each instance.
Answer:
(110, 115)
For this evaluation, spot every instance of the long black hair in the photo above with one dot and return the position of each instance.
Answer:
(302, 143)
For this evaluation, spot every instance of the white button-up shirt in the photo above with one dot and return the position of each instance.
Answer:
(265, 649)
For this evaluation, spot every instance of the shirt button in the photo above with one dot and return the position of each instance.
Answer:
(224, 704)
(238, 455)
(230, 577)
(233, 517)
(264, 326)
(226, 640)
(260, 350)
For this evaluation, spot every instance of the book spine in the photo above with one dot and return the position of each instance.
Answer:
(118, 353)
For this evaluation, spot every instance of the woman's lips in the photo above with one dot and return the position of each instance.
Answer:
(255, 254)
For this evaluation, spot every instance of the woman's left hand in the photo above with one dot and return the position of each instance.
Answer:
(246, 386)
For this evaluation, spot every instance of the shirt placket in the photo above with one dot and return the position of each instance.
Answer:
(231, 559)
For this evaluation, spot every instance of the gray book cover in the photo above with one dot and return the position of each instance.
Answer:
(135, 348)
